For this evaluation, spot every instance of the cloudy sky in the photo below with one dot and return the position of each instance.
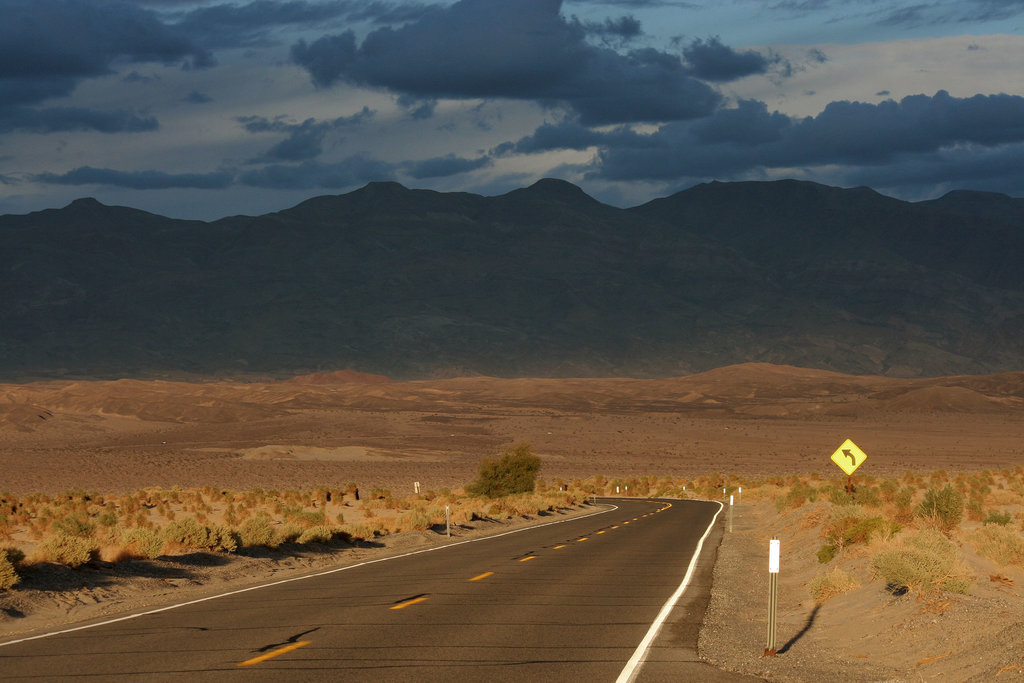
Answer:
(213, 108)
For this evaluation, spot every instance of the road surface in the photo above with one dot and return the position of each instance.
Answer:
(567, 601)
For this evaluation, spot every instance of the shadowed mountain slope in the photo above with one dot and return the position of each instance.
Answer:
(541, 281)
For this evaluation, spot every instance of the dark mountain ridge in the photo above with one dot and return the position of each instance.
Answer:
(542, 281)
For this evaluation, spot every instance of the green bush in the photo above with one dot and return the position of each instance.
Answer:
(945, 507)
(999, 518)
(73, 525)
(849, 527)
(515, 472)
(927, 560)
(831, 583)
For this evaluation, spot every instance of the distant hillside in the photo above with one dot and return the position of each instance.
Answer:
(542, 281)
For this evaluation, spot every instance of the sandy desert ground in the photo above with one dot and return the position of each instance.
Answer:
(330, 429)
(750, 420)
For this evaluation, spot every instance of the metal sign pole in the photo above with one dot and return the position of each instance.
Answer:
(773, 594)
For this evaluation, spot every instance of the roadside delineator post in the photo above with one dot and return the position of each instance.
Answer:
(773, 594)
(416, 486)
(740, 498)
(448, 520)
(730, 514)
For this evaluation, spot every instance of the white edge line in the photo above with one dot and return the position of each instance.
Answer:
(168, 608)
(632, 667)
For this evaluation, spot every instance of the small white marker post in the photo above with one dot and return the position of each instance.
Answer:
(448, 520)
(730, 514)
(416, 486)
(773, 597)
(740, 499)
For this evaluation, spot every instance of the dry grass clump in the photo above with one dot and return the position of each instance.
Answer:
(831, 583)
(1001, 544)
(926, 560)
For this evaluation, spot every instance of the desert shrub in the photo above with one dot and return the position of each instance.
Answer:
(944, 507)
(849, 526)
(887, 490)
(289, 533)
(59, 547)
(414, 520)
(799, 495)
(258, 531)
(317, 534)
(1000, 518)
(514, 472)
(304, 518)
(1001, 544)
(926, 560)
(359, 531)
(828, 584)
(189, 533)
(73, 525)
(8, 572)
(143, 543)
(223, 538)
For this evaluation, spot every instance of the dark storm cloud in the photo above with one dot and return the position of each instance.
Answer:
(47, 47)
(309, 175)
(622, 29)
(747, 138)
(517, 50)
(60, 42)
(196, 97)
(228, 25)
(138, 180)
(442, 167)
(710, 60)
(568, 135)
(60, 119)
(305, 140)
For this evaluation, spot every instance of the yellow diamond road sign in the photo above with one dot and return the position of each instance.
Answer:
(849, 457)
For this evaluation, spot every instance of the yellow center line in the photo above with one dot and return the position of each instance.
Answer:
(482, 576)
(557, 547)
(582, 539)
(528, 557)
(616, 526)
(601, 531)
(275, 653)
(413, 601)
(625, 522)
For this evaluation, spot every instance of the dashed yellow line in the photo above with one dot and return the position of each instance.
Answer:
(582, 539)
(558, 547)
(482, 576)
(406, 603)
(528, 557)
(616, 526)
(601, 531)
(275, 653)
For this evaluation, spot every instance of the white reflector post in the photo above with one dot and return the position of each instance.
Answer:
(773, 556)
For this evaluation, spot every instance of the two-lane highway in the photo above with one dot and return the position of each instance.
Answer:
(570, 600)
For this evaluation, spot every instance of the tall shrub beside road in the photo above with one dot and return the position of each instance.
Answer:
(514, 472)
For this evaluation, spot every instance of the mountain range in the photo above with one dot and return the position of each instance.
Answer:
(543, 281)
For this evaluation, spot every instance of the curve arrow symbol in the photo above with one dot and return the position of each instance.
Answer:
(851, 456)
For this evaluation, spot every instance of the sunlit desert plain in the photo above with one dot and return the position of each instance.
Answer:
(201, 445)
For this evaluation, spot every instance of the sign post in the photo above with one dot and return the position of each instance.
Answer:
(849, 457)
(773, 594)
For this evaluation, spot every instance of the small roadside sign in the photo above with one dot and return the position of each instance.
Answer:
(849, 457)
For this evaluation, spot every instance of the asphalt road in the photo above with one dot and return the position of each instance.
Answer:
(567, 601)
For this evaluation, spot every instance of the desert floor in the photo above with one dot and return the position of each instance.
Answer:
(750, 420)
(326, 430)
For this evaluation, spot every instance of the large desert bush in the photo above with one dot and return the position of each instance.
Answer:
(258, 531)
(514, 472)
(926, 560)
(143, 543)
(850, 525)
(59, 547)
(944, 508)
